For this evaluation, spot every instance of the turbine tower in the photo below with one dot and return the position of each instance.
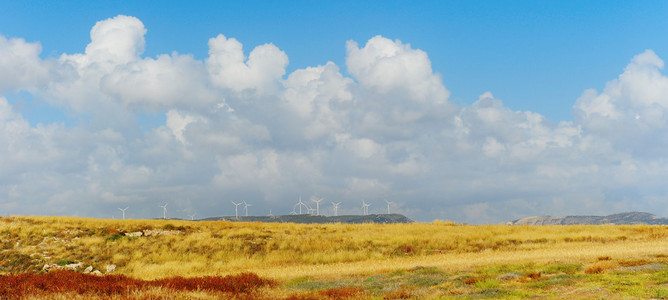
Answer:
(388, 205)
(236, 209)
(123, 210)
(365, 208)
(336, 208)
(246, 205)
(192, 217)
(164, 211)
(317, 204)
(300, 203)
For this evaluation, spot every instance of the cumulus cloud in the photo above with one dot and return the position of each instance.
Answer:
(229, 68)
(321, 98)
(114, 41)
(240, 128)
(20, 65)
(632, 110)
(399, 89)
(164, 82)
(388, 66)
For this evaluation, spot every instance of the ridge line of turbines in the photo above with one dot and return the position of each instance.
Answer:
(309, 210)
(335, 206)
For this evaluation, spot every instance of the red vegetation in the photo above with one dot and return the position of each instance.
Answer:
(399, 294)
(533, 275)
(19, 286)
(342, 293)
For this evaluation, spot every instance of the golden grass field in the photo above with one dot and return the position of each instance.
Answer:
(368, 261)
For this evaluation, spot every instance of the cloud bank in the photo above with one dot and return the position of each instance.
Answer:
(239, 127)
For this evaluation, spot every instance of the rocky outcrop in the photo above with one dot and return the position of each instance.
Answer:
(619, 219)
(76, 266)
(68, 267)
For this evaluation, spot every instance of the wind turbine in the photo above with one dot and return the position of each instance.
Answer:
(164, 211)
(123, 210)
(336, 208)
(388, 206)
(236, 209)
(365, 208)
(246, 205)
(317, 204)
(192, 217)
(300, 203)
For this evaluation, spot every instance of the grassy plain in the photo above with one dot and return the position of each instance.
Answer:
(336, 261)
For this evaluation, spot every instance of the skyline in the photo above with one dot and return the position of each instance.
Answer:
(472, 112)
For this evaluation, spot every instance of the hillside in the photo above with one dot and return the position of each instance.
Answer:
(77, 258)
(318, 219)
(619, 219)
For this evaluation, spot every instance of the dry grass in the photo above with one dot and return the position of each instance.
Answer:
(324, 252)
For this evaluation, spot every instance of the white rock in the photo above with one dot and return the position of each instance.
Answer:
(88, 270)
(111, 268)
(74, 267)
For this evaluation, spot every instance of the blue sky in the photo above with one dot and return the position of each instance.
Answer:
(472, 111)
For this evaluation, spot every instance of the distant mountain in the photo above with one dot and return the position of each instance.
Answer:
(351, 219)
(623, 218)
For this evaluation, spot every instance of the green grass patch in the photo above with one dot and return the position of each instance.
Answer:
(660, 277)
(425, 280)
(113, 237)
(487, 284)
(562, 268)
(64, 262)
(507, 268)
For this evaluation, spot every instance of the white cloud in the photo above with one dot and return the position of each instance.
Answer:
(229, 68)
(321, 98)
(240, 128)
(114, 41)
(388, 66)
(167, 81)
(401, 96)
(632, 110)
(177, 123)
(20, 65)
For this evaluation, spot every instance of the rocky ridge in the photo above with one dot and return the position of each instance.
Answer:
(618, 219)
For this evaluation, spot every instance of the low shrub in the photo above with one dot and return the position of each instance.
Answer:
(471, 280)
(113, 237)
(399, 294)
(599, 267)
(64, 262)
(26, 285)
(342, 292)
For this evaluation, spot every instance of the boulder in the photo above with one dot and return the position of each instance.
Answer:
(134, 234)
(111, 268)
